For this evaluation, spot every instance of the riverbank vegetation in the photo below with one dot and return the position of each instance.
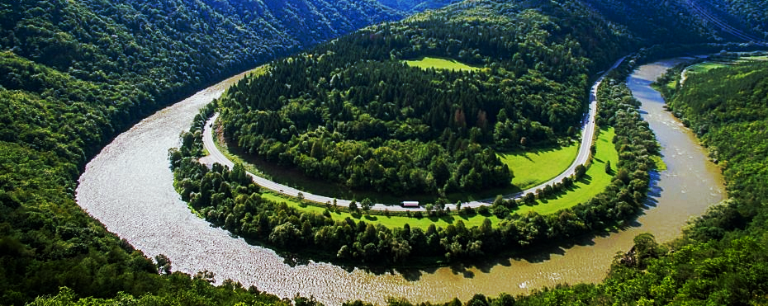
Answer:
(229, 198)
(721, 257)
(77, 73)
(73, 75)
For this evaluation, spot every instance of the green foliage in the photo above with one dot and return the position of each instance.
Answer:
(657, 21)
(416, 5)
(240, 208)
(352, 113)
(185, 292)
(73, 74)
(748, 15)
(722, 258)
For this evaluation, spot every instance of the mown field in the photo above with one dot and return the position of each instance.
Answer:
(594, 182)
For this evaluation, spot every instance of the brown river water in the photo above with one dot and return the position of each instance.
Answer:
(129, 188)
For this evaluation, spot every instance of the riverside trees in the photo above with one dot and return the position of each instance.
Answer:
(238, 206)
(74, 74)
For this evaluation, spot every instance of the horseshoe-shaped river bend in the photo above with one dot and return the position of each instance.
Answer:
(129, 188)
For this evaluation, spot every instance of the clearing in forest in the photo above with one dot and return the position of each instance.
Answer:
(440, 63)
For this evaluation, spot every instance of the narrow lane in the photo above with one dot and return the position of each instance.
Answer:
(129, 188)
(587, 138)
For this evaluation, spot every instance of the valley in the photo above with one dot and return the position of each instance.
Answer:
(532, 188)
(194, 246)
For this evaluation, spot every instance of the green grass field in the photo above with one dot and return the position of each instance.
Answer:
(439, 63)
(705, 66)
(596, 180)
(388, 221)
(538, 166)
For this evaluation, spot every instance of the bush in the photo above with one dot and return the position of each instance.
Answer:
(500, 211)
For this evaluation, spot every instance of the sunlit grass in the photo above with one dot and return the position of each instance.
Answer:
(539, 165)
(705, 66)
(439, 63)
(392, 221)
(594, 182)
(659, 162)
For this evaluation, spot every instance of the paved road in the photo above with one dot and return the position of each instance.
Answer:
(587, 137)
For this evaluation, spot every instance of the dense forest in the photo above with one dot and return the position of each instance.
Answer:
(76, 73)
(228, 198)
(749, 13)
(657, 21)
(351, 112)
(73, 74)
(722, 258)
(416, 5)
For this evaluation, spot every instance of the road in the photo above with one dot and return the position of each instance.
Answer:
(587, 138)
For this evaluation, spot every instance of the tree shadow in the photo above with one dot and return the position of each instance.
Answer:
(446, 218)
(654, 190)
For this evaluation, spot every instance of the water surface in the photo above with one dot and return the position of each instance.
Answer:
(129, 188)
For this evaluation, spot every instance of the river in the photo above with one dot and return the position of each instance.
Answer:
(129, 188)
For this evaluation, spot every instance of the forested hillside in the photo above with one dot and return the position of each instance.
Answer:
(722, 258)
(73, 74)
(352, 112)
(750, 13)
(416, 5)
(657, 21)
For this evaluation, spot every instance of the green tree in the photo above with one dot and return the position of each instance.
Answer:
(163, 264)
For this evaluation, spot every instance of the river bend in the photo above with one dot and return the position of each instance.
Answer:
(129, 188)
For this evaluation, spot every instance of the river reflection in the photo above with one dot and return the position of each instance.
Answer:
(129, 188)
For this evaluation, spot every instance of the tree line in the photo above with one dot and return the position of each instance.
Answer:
(228, 198)
(73, 75)
(352, 113)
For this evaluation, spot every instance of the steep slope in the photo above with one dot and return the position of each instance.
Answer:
(657, 21)
(73, 74)
(745, 15)
(426, 131)
(416, 5)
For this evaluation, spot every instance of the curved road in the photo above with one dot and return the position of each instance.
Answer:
(128, 187)
(587, 138)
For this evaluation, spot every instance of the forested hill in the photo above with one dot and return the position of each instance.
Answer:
(657, 21)
(351, 112)
(73, 74)
(750, 14)
(416, 5)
